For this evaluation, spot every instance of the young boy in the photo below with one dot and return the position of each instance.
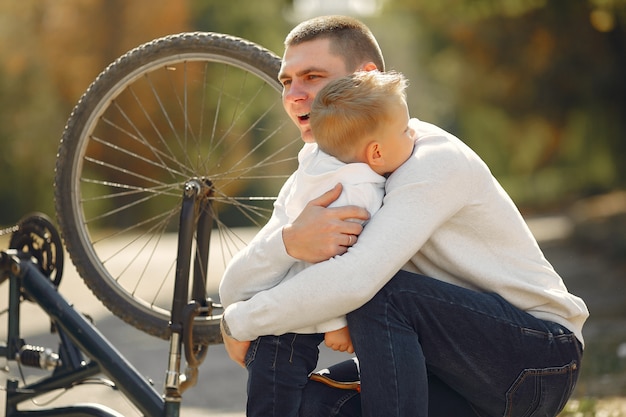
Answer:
(361, 120)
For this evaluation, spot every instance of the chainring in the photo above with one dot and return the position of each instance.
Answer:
(37, 236)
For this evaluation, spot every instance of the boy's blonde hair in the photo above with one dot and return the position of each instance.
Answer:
(347, 111)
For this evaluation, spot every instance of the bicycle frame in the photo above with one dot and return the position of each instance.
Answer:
(78, 334)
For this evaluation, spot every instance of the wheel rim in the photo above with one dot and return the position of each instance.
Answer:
(261, 153)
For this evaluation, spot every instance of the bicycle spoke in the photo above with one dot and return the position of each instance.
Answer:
(199, 107)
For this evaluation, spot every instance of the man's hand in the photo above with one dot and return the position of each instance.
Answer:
(319, 233)
(236, 350)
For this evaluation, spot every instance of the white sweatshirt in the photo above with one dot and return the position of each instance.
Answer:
(444, 215)
(251, 271)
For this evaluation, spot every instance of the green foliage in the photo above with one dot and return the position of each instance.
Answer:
(535, 86)
(261, 22)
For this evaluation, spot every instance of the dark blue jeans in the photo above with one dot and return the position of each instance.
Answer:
(278, 370)
(431, 349)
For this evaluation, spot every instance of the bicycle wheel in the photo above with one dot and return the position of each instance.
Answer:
(192, 105)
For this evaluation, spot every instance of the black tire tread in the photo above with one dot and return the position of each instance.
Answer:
(215, 43)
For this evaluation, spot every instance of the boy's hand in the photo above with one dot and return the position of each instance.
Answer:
(339, 340)
(319, 233)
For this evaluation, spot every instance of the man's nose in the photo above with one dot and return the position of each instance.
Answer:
(295, 92)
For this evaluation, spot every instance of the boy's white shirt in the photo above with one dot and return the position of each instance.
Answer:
(250, 272)
(445, 216)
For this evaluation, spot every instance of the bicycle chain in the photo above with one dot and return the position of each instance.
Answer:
(10, 229)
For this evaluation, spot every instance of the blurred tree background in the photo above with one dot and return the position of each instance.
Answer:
(536, 87)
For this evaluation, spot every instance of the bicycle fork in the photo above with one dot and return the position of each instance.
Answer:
(196, 205)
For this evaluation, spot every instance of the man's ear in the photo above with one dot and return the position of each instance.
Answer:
(374, 154)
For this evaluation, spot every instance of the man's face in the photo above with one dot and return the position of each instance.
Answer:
(306, 68)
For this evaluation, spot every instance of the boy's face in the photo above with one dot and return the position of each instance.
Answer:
(306, 68)
(397, 139)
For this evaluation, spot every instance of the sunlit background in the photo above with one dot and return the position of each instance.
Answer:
(536, 87)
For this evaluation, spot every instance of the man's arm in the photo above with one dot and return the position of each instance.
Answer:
(420, 197)
(260, 265)
(237, 349)
(264, 258)
(327, 289)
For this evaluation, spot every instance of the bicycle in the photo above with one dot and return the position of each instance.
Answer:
(193, 117)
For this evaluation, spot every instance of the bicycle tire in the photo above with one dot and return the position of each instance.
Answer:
(191, 105)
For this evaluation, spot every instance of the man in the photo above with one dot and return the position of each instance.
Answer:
(452, 308)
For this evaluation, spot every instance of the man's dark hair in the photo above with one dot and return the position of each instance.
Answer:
(350, 39)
